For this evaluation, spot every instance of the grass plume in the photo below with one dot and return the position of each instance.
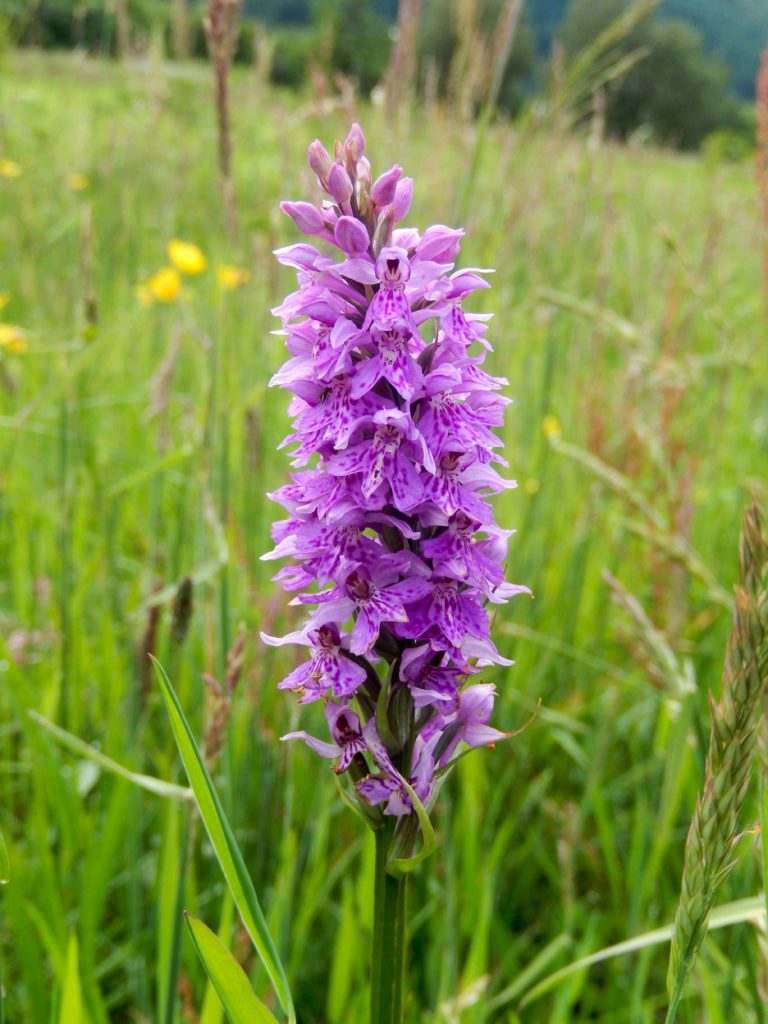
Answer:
(221, 28)
(714, 830)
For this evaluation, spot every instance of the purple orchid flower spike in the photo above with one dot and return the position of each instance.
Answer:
(393, 546)
(394, 553)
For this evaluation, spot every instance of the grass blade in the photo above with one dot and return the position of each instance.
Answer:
(223, 841)
(72, 997)
(227, 977)
(5, 863)
(159, 787)
(750, 909)
(536, 967)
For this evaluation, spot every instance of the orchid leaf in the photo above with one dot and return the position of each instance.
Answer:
(227, 977)
(225, 846)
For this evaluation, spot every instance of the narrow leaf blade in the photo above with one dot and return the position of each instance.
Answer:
(223, 841)
(159, 787)
(72, 997)
(5, 862)
(750, 909)
(227, 977)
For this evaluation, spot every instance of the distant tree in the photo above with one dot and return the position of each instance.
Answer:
(735, 30)
(300, 12)
(280, 12)
(677, 90)
(545, 17)
(354, 39)
(439, 42)
(99, 27)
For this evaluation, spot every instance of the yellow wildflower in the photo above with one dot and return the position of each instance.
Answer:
(532, 486)
(5, 298)
(230, 277)
(165, 285)
(9, 169)
(186, 257)
(12, 339)
(78, 182)
(551, 426)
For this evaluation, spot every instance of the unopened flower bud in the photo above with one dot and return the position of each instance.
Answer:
(354, 144)
(385, 186)
(363, 172)
(319, 160)
(351, 236)
(306, 217)
(363, 201)
(339, 184)
(403, 197)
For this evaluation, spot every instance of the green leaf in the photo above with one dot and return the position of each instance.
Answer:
(535, 968)
(72, 997)
(223, 841)
(228, 977)
(5, 862)
(211, 1012)
(751, 909)
(159, 787)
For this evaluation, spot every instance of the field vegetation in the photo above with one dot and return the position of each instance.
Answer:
(137, 440)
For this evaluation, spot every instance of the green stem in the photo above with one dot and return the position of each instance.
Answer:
(389, 937)
(674, 1005)
(178, 917)
(684, 970)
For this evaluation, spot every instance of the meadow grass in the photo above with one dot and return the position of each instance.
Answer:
(136, 446)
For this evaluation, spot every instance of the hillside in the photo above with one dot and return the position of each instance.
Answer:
(736, 30)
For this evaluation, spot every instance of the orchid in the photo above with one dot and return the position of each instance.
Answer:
(395, 552)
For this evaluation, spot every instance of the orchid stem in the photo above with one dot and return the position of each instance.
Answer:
(389, 933)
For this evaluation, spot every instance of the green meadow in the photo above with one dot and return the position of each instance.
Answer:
(137, 443)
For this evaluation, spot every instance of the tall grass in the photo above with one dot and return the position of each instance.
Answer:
(135, 453)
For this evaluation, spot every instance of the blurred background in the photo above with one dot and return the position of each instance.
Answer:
(696, 77)
(610, 160)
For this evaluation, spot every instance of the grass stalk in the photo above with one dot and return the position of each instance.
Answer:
(65, 564)
(178, 918)
(221, 27)
(761, 159)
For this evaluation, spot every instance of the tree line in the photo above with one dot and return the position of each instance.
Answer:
(675, 89)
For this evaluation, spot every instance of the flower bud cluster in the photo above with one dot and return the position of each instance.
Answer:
(395, 553)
